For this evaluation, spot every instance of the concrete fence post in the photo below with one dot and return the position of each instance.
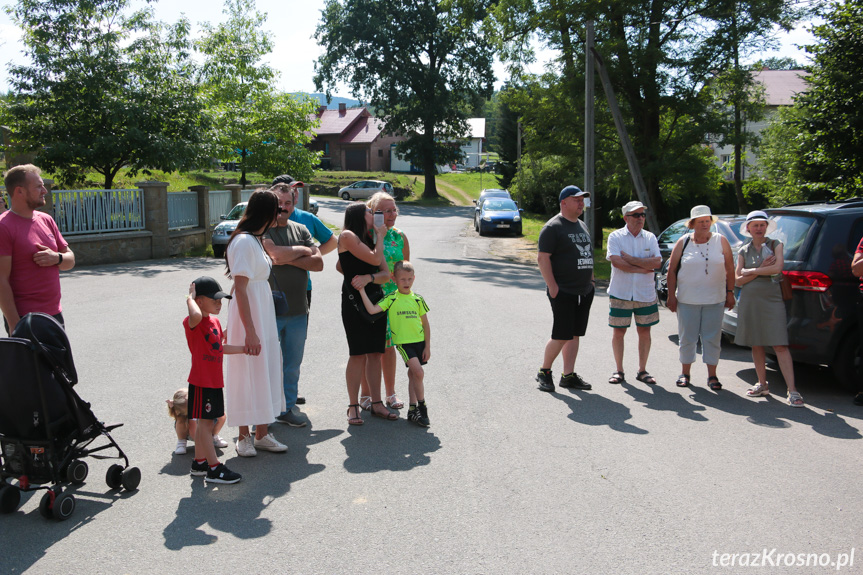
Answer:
(236, 193)
(156, 216)
(204, 211)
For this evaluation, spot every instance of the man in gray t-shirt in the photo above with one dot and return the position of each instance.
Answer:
(565, 259)
(293, 251)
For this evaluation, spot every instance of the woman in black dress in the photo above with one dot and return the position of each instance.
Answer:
(362, 254)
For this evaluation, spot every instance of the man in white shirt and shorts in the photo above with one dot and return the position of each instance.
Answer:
(634, 254)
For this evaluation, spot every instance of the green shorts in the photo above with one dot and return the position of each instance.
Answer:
(621, 312)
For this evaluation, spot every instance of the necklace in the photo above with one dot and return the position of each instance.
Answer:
(706, 255)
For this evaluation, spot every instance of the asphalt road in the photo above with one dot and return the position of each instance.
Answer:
(622, 479)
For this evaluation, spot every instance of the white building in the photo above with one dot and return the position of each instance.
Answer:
(780, 88)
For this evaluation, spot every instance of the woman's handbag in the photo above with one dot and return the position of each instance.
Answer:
(353, 298)
(785, 286)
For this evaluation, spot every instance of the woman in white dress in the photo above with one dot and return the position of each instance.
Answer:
(253, 382)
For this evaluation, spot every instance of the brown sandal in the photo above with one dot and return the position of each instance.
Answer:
(389, 415)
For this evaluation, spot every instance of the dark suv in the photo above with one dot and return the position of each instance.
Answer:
(820, 239)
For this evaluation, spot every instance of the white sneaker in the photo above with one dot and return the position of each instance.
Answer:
(269, 443)
(181, 447)
(245, 447)
(219, 442)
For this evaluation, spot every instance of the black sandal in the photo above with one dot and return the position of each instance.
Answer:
(645, 377)
(389, 415)
(682, 380)
(355, 420)
(713, 383)
(616, 377)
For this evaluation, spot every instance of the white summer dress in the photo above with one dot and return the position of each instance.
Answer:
(254, 394)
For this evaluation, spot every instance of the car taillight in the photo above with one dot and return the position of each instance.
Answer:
(809, 281)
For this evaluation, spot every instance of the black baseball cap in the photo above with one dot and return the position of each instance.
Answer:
(207, 286)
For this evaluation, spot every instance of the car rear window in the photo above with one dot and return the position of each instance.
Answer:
(792, 231)
(673, 232)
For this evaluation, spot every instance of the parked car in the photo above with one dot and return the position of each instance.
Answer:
(313, 206)
(820, 239)
(484, 195)
(364, 189)
(223, 230)
(499, 215)
(727, 225)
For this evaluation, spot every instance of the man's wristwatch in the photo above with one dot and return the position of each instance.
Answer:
(59, 261)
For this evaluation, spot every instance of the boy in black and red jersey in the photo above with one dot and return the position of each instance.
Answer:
(206, 400)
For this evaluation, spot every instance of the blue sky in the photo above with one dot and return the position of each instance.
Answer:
(292, 25)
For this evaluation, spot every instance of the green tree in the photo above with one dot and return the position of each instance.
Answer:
(420, 63)
(832, 150)
(252, 123)
(658, 54)
(105, 89)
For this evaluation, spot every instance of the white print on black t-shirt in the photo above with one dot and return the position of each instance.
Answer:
(582, 242)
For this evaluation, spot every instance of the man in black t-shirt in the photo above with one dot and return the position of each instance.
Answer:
(565, 260)
(294, 254)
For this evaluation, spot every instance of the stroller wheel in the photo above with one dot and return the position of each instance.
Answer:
(114, 477)
(131, 478)
(77, 472)
(10, 498)
(64, 506)
(46, 505)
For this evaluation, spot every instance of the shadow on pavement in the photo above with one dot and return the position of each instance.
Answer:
(658, 398)
(494, 271)
(592, 409)
(388, 445)
(236, 509)
(147, 268)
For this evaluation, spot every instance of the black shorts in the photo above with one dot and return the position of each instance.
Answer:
(409, 350)
(206, 402)
(571, 313)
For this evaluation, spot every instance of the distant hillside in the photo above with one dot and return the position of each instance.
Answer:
(334, 104)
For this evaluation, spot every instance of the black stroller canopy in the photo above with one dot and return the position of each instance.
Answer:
(50, 339)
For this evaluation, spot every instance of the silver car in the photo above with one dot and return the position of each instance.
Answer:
(364, 189)
(223, 230)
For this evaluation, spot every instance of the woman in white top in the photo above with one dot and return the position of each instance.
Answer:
(700, 285)
(254, 394)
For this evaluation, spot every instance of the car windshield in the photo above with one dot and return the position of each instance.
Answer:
(236, 213)
(673, 232)
(731, 230)
(499, 206)
(792, 232)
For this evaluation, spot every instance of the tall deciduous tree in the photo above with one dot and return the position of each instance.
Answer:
(831, 122)
(252, 123)
(658, 53)
(105, 89)
(419, 63)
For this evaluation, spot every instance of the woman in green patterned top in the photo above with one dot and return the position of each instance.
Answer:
(396, 249)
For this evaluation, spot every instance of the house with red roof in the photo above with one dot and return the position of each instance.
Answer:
(352, 139)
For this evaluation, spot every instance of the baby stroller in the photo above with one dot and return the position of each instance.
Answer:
(45, 428)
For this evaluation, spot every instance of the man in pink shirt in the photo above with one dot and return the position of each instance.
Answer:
(32, 251)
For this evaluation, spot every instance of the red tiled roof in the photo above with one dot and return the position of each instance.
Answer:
(364, 131)
(334, 122)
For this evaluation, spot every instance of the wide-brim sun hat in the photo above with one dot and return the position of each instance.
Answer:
(700, 212)
(755, 216)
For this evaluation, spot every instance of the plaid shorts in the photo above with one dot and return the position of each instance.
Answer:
(621, 312)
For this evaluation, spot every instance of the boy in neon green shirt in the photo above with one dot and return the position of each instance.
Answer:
(411, 334)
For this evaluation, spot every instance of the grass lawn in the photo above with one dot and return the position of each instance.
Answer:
(471, 183)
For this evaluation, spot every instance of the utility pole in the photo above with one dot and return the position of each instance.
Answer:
(589, 136)
(628, 151)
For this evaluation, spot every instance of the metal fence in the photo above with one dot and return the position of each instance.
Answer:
(246, 194)
(95, 211)
(182, 210)
(220, 204)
